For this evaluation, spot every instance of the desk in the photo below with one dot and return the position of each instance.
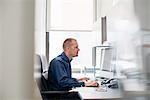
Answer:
(134, 88)
(90, 93)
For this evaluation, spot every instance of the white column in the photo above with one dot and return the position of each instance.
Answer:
(16, 49)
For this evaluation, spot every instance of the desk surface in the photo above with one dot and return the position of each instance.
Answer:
(93, 93)
(130, 91)
(96, 92)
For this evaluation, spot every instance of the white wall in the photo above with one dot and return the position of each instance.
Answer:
(143, 13)
(0, 52)
(126, 19)
(135, 10)
(40, 26)
(16, 49)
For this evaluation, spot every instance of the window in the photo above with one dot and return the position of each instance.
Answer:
(84, 58)
(71, 18)
(70, 15)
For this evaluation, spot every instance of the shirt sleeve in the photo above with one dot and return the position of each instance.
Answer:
(62, 78)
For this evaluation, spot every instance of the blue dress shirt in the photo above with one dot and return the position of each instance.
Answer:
(59, 74)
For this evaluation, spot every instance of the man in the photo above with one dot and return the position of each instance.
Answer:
(59, 73)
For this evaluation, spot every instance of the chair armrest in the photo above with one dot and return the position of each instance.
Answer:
(59, 95)
(54, 92)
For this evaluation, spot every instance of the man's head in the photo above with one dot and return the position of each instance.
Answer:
(70, 47)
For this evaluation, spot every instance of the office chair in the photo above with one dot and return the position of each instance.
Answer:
(42, 83)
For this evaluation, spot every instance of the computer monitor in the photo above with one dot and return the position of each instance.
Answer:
(104, 58)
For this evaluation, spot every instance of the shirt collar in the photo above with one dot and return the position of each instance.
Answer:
(65, 57)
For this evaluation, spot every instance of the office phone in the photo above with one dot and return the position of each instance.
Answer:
(111, 83)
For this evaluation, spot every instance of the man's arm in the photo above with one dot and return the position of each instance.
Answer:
(60, 73)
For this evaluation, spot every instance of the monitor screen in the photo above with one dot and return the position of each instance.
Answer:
(104, 58)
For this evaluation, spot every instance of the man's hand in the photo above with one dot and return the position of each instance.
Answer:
(91, 83)
(83, 79)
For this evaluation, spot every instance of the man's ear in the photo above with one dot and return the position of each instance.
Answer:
(67, 48)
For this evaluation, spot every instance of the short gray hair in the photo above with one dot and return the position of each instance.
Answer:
(67, 42)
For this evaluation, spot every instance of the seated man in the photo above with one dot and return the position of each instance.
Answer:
(59, 73)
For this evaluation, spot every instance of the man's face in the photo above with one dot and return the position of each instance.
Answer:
(74, 49)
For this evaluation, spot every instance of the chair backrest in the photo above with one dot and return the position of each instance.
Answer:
(40, 79)
(45, 66)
